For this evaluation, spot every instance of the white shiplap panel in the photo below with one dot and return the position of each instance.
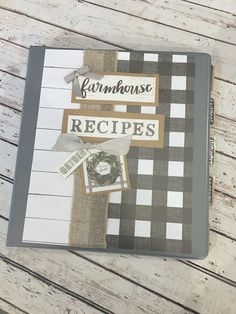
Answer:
(48, 207)
(48, 161)
(54, 78)
(63, 58)
(50, 118)
(50, 184)
(60, 98)
(43, 230)
(46, 139)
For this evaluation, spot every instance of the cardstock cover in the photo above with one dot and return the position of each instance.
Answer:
(166, 210)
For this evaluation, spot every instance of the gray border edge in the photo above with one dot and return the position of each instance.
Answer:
(26, 143)
(200, 192)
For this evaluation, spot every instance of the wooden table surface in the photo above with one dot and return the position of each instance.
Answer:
(50, 281)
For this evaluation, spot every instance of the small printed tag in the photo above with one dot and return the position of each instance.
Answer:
(73, 161)
(211, 190)
(212, 150)
(212, 111)
(105, 173)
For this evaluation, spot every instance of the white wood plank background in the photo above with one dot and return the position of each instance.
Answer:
(45, 281)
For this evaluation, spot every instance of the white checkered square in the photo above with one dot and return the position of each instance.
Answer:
(148, 109)
(174, 199)
(121, 108)
(144, 197)
(175, 168)
(151, 57)
(145, 166)
(123, 55)
(174, 231)
(177, 111)
(178, 82)
(115, 197)
(142, 228)
(176, 139)
(113, 226)
(179, 58)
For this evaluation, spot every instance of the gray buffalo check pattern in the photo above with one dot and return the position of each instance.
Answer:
(156, 214)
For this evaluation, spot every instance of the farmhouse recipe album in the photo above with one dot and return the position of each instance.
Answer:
(113, 152)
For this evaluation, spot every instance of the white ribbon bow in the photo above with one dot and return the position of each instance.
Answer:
(73, 76)
(69, 142)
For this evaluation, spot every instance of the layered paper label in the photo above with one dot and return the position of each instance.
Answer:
(119, 88)
(147, 130)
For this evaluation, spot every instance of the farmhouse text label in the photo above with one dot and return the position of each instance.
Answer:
(118, 88)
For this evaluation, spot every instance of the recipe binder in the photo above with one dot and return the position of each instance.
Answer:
(152, 200)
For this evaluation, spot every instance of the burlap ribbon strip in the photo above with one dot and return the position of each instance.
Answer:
(89, 212)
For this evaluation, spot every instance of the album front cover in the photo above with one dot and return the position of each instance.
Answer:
(113, 152)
